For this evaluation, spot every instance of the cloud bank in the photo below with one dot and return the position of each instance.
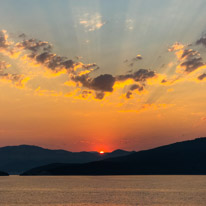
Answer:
(81, 76)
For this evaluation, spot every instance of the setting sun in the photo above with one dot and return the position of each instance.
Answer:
(101, 152)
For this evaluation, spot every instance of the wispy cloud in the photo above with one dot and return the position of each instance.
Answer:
(92, 22)
(129, 24)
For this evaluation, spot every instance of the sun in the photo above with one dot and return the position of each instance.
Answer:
(101, 152)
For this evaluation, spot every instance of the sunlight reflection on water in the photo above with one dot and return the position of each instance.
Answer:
(103, 190)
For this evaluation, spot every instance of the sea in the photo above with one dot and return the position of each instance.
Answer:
(103, 190)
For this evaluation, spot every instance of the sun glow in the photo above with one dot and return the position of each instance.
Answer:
(101, 152)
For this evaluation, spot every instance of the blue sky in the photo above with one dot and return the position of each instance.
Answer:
(130, 27)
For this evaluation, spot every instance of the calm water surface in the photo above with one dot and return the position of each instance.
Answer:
(103, 190)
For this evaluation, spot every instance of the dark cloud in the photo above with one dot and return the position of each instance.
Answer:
(88, 66)
(83, 79)
(130, 71)
(43, 57)
(139, 76)
(52, 61)
(40, 52)
(191, 60)
(132, 88)
(104, 82)
(201, 41)
(99, 95)
(128, 94)
(164, 81)
(68, 63)
(192, 64)
(22, 36)
(132, 61)
(136, 86)
(202, 76)
(189, 53)
(85, 93)
(34, 45)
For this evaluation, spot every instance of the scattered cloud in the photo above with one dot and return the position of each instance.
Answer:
(202, 76)
(189, 59)
(132, 88)
(129, 24)
(80, 79)
(92, 22)
(16, 79)
(139, 76)
(202, 40)
(132, 61)
(176, 46)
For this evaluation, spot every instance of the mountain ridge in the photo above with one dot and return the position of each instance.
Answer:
(187, 157)
(19, 158)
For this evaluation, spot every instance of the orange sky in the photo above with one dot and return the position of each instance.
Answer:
(105, 83)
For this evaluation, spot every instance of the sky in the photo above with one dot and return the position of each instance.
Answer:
(93, 75)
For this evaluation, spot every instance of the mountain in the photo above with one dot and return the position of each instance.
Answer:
(188, 157)
(3, 173)
(17, 159)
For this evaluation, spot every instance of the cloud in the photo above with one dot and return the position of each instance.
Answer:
(136, 86)
(202, 76)
(202, 41)
(129, 24)
(39, 53)
(130, 80)
(192, 64)
(85, 93)
(103, 82)
(4, 43)
(92, 22)
(176, 46)
(99, 95)
(190, 59)
(138, 57)
(18, 80)
(132, 88)
(139, 76)
(34, 45)
(3, 66)
(188, 54)
(133, 60)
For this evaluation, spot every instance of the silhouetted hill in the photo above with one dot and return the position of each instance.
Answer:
(188, 157)
(17, 159)
(3, 173)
